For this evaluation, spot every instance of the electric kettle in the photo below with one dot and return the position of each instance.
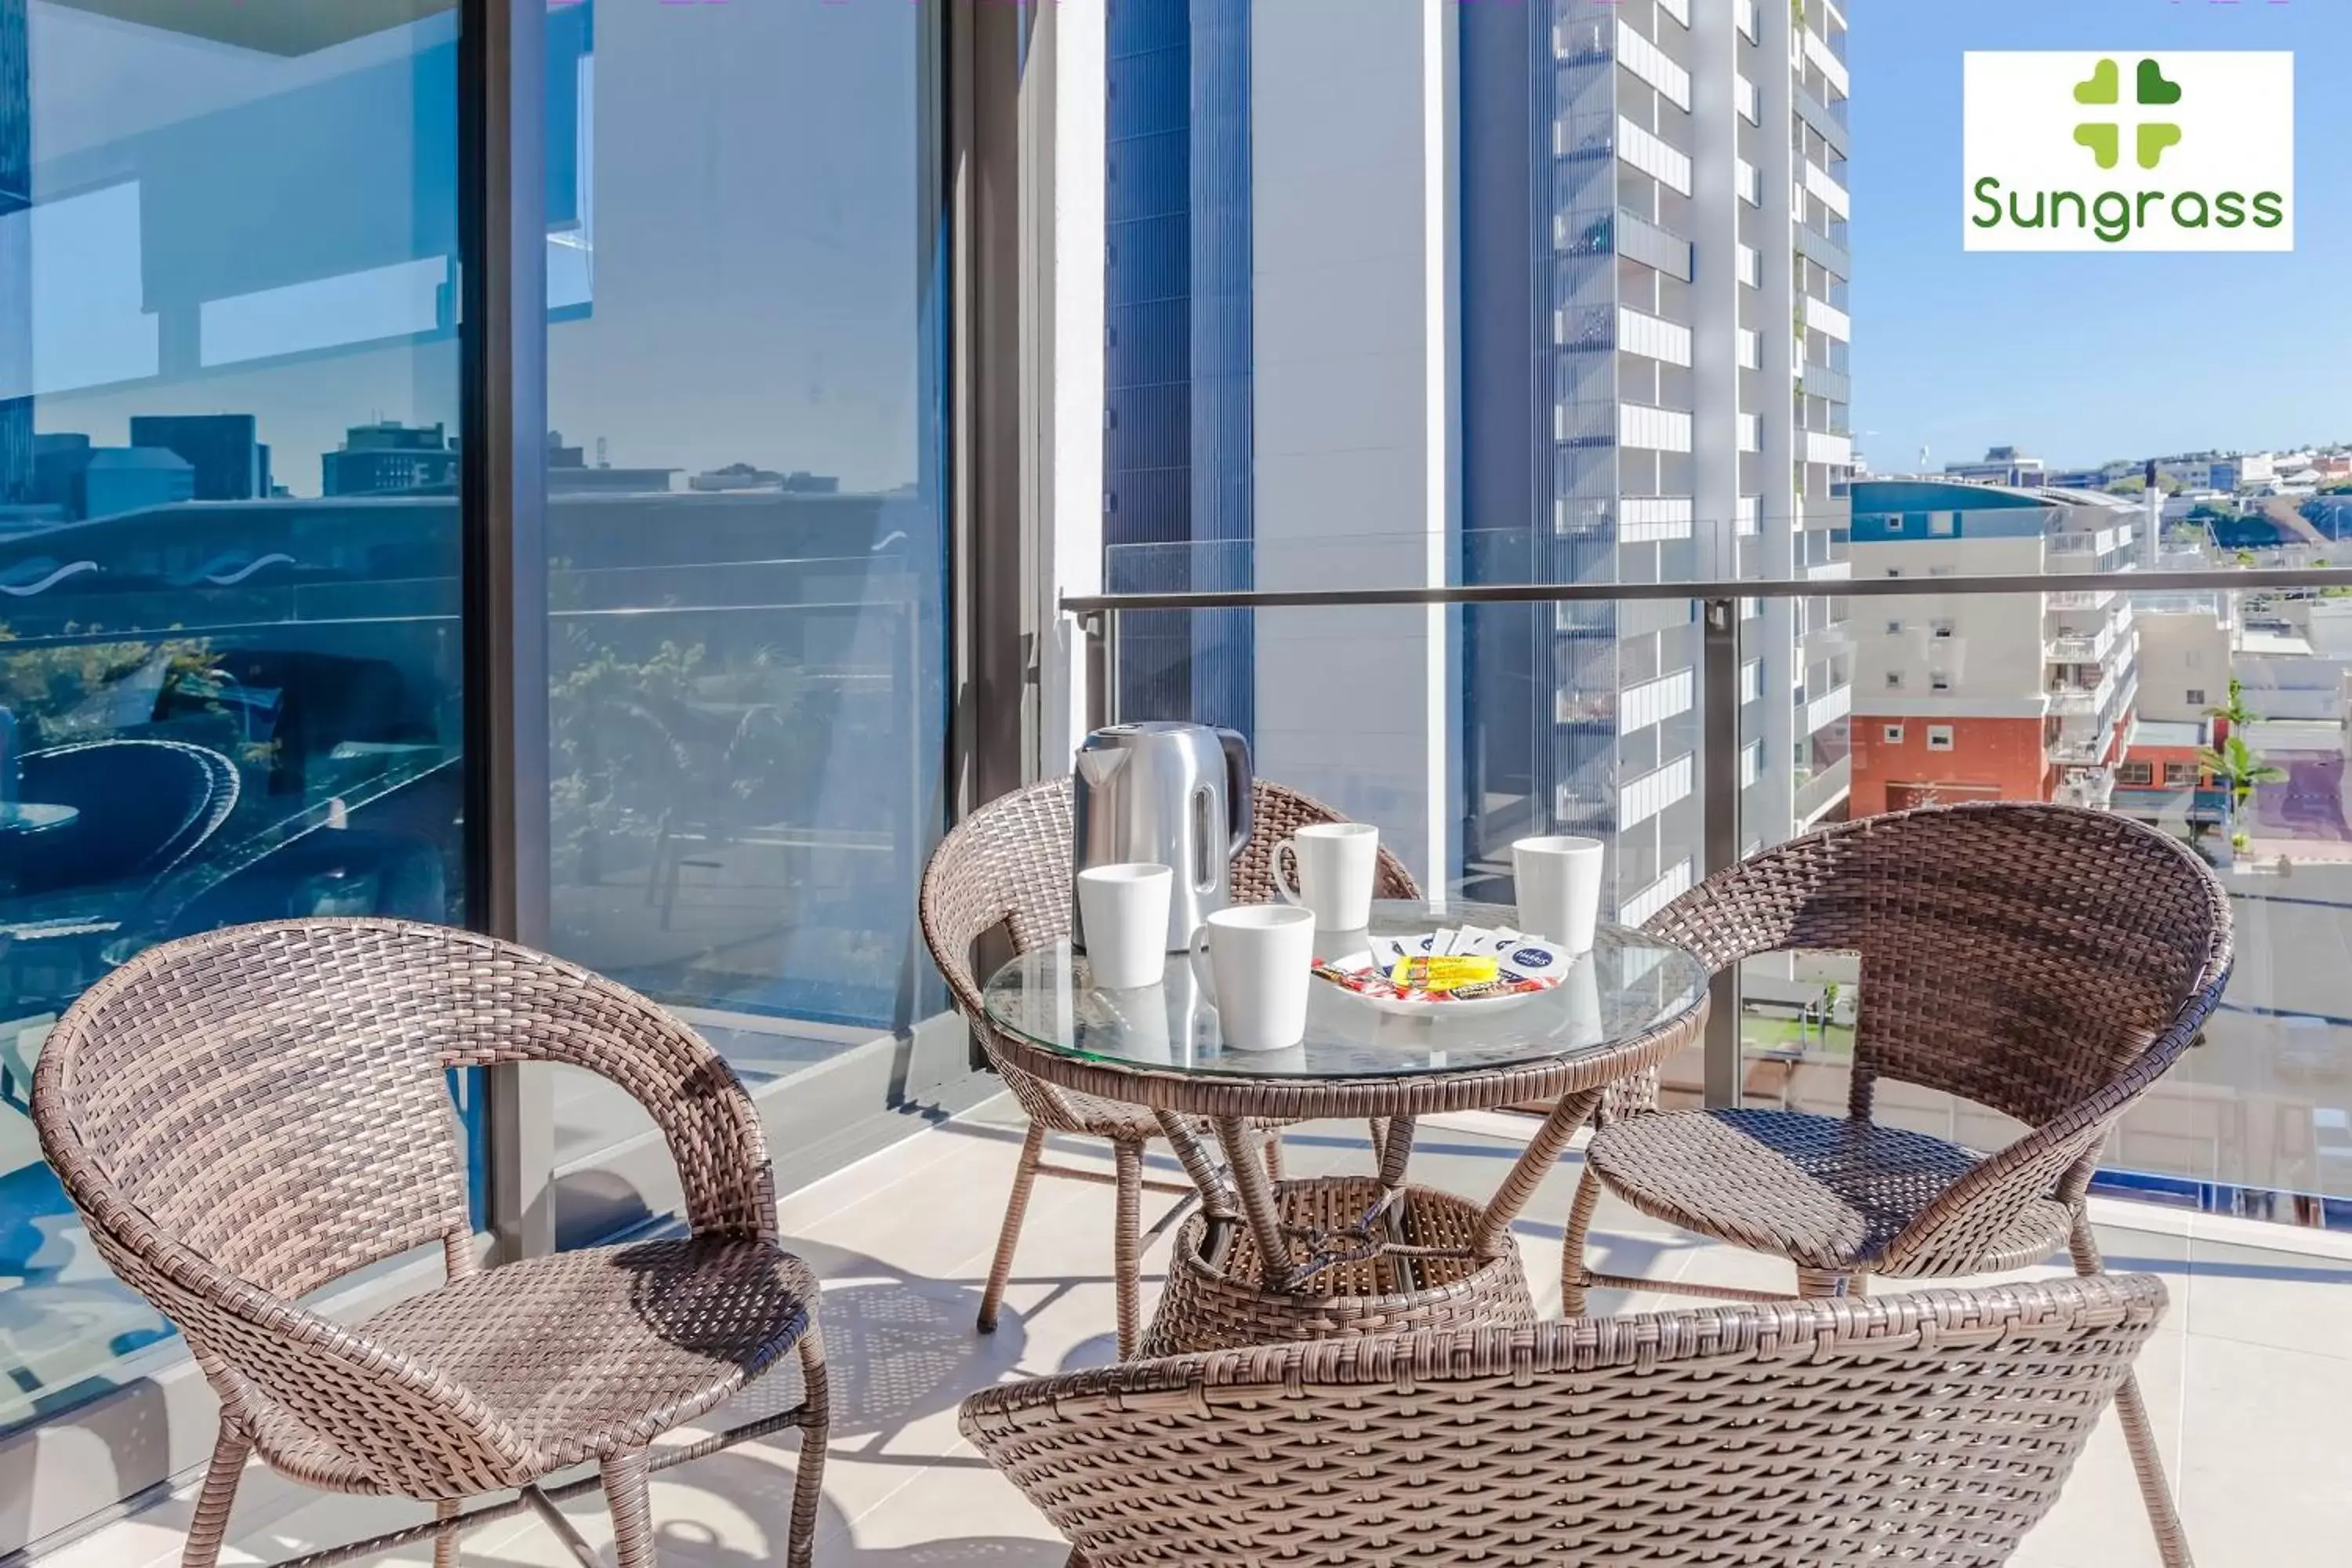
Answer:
(1173, 794)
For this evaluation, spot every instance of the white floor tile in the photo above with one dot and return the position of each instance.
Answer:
(2247, 1383)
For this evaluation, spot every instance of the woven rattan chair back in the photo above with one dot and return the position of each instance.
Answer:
(2029, 958)
(1008, 866)
(1931, 1428)
(242, 1116)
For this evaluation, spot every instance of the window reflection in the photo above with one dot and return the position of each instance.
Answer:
(229, 671)
(748, 707)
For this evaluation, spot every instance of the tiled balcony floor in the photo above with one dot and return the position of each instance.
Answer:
(2249, 1379)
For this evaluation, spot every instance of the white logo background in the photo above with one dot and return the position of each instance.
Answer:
(2236, 116)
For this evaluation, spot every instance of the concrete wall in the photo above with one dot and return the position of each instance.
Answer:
(2180, 656)
(2290, 687)
(1994, 656)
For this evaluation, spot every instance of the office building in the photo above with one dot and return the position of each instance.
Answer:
(132, 478)
(82, 482)
(2216, 471)
(1177, 349)
(388, 457)
(230, 462)
(1992, 696)
(569, 472)
(2002, 466)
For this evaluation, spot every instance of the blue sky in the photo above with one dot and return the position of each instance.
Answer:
(2081, 358)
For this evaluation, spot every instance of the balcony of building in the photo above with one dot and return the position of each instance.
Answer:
(940, 387)
(2224, 1179)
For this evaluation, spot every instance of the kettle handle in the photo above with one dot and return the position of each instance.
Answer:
(1238, 805)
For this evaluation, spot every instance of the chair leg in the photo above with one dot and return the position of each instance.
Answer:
(808, 1486)
(1032, 1149)
(444, 1545)
(1813, 1283)
(1274, 1153)
(1574, 1278)
(1126, 1250)
(209, 1528)
(2139, 1435)
(627, 1494)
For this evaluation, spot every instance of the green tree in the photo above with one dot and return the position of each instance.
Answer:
(2240, 768)
(2235, 711)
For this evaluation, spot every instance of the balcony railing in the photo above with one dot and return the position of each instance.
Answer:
(1587, 778)
(2079, 700)
(2082, 647)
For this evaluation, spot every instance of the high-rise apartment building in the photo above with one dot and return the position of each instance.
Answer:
(1654, 386)
(1994, 696)
(16, 257)
(388, 457)
(1551, 292)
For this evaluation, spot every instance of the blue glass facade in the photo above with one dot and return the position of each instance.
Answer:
(16, 282)
(1177, 349)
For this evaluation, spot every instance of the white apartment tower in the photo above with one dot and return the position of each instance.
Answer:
(1548, 292)
(1671, 248)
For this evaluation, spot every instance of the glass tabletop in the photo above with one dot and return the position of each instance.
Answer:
(1627, 985)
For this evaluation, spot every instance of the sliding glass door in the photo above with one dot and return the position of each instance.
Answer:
(229, 666)
(234, 633)
(746, 533)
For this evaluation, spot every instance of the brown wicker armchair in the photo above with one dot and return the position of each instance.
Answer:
(243, 1116)
(2047, 962)
(1932, 1428)
(1008, 865)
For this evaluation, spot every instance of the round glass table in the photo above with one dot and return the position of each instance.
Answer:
(1269, 1260)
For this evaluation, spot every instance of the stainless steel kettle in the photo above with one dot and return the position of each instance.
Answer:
(1173, 794)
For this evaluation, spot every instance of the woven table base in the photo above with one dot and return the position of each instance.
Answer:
(1208, 1307)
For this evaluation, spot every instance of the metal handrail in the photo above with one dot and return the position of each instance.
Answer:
(2244, 579)
(1720, 691)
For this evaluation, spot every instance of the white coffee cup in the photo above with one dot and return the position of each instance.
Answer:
(1337, 865)
(1559, 880)
(1124, 911)
(1253, 963)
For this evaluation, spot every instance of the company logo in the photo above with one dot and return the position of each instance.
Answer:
(1532, 958)
(2104, 137)
(2066, 151)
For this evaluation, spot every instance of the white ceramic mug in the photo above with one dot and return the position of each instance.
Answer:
(1337, 862)
(1124, 911)
(1253, 963)
(1559, 881)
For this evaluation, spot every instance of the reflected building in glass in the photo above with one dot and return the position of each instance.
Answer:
(229, 459)
(16, 258)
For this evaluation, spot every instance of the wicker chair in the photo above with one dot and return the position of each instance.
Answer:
(1008, 865)
(243, 1116)
(2047, 962)
(1934, 1428)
